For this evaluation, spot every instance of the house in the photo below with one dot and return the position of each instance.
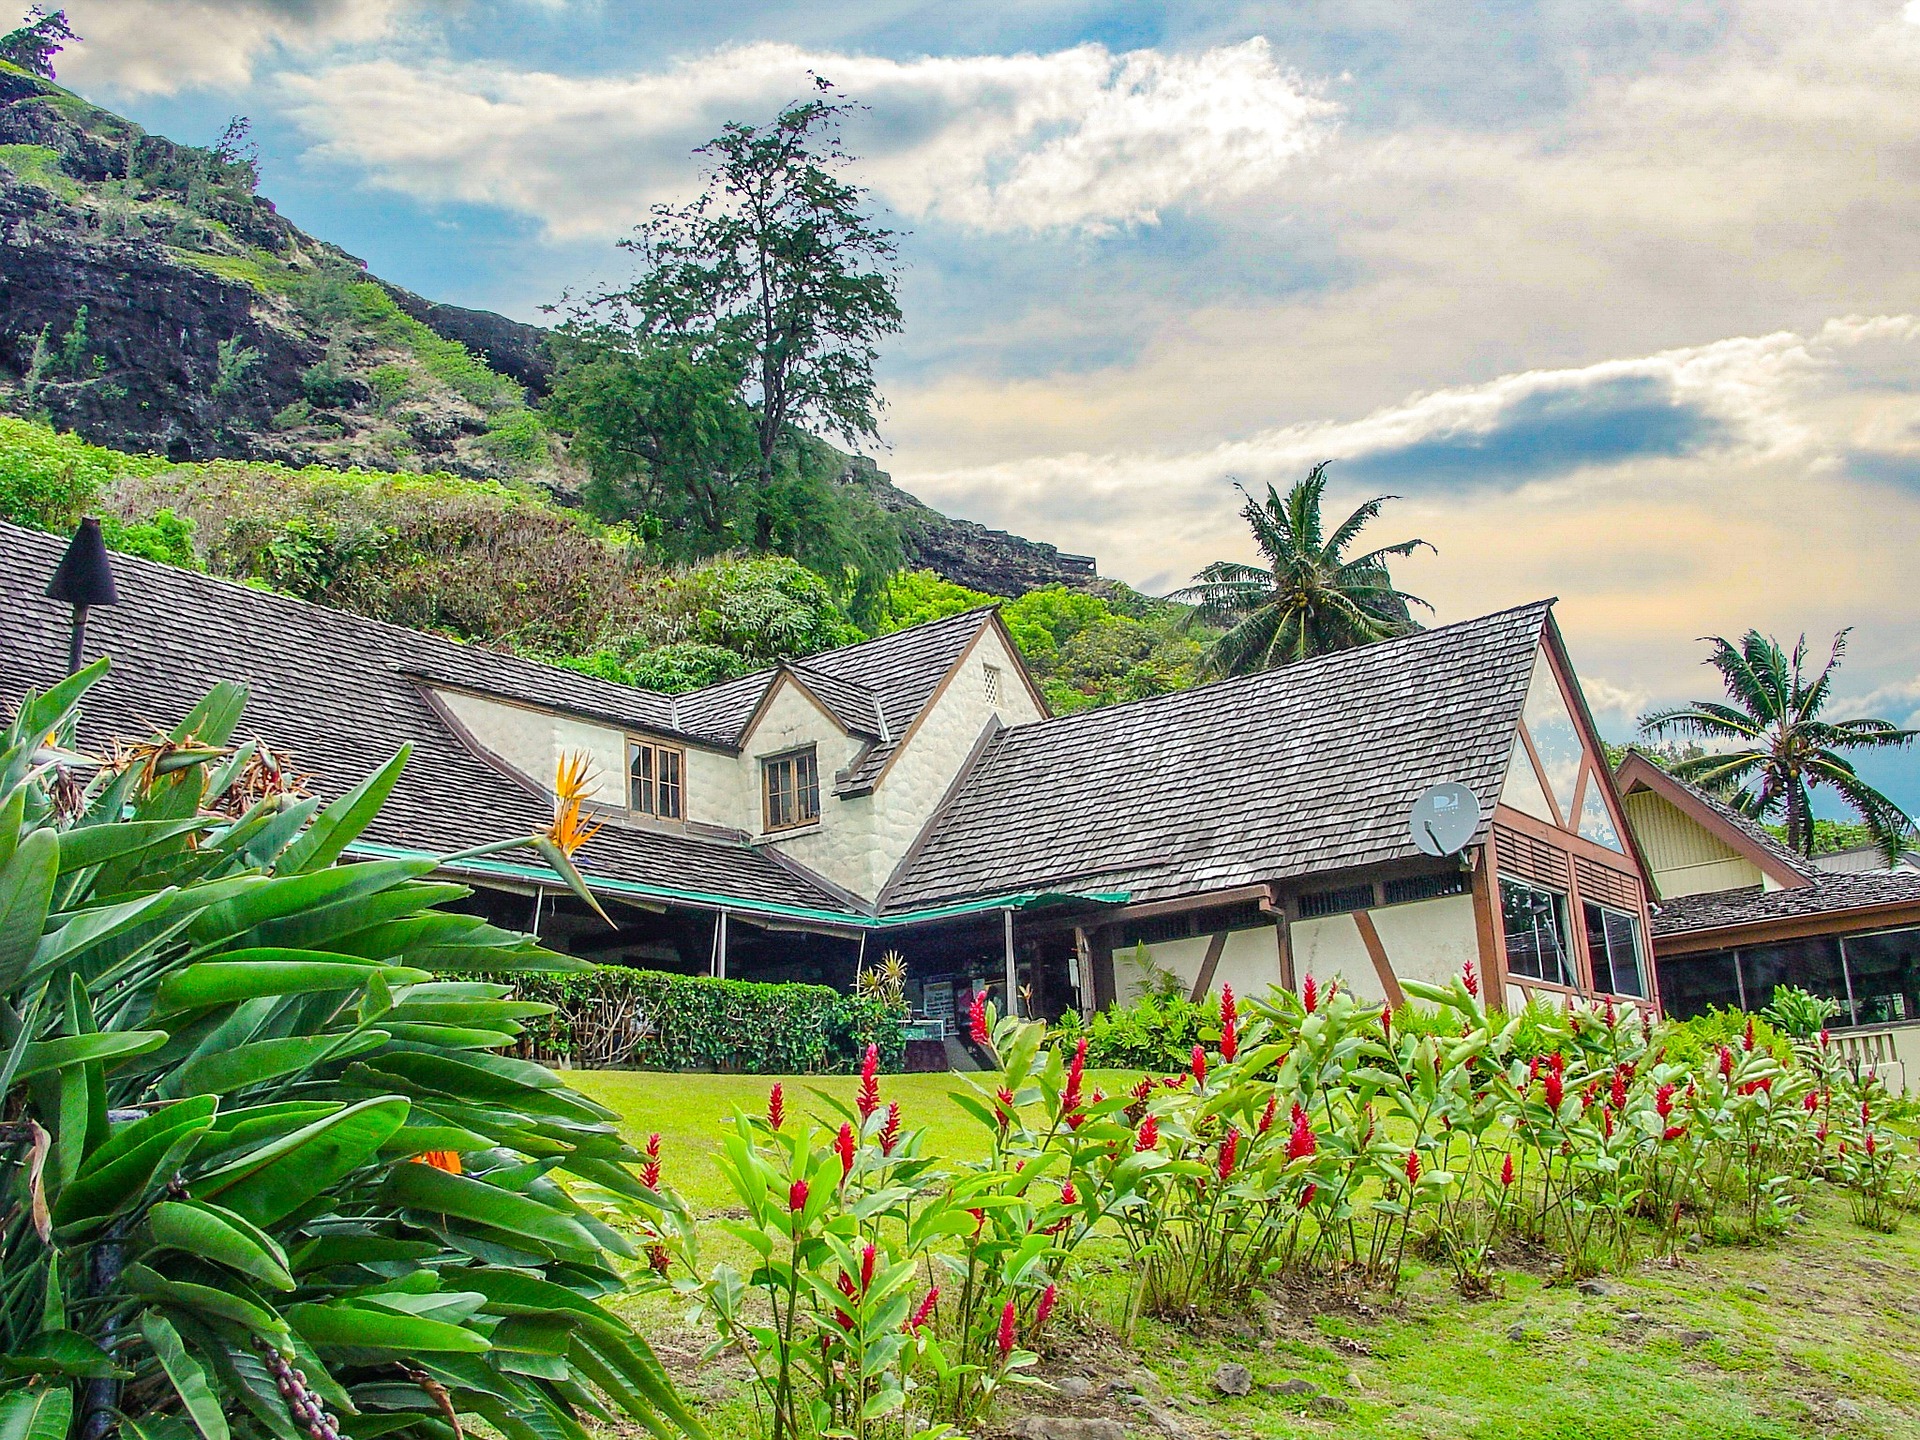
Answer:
(912, 793)
(1738, 915)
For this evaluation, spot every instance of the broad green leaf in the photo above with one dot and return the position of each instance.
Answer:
(247, 974)
(44, 1055)
(423, 1187)
(280, 1177)
(36, 1414)
(189, 1380)
(220, 1236)
(227, 1071)
(340, 824)
(97, 844)
(60, 1352)
(203, 1301)
(85, 929)
(342, 1323)
(297, 895)
(134, 1159)
(26, 889)
(43, 712)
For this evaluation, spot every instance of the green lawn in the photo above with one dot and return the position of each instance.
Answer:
(1818, 1334)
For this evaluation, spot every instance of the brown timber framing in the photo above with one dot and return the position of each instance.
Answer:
(1487, 923)
(1377, 953)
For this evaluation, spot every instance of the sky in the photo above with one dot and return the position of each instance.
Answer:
(1620, 298)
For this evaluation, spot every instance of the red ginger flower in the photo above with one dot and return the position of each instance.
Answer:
(1229, 1025)
(1873, 1145)
(1310, 995)
(1673, 1132)
(1619, 1094)
(1470, 979)
(1663, 1101)
(650, 1169)
(1149, 1135)
(1746, 1040)
(1003, 1110)
(1413, 1167)
(1229, 1148)
(844, 1147)
(1266, 1115)
(890, 1132)
(797, 1196)
(1866, 1113)
(1606, 1122)
(925, 1311)
(1612, 1017)
(869, 1257)
(1555, 1088)
(1386, 1024)
(1726, 1063)
(1506, 1172)
(1812, 1101)
(657, 1258)
(1826, 1039)
(1069, 1195)
(1300, 1141)
(869, 1100)
(1557, 1063)
(1199, 1066)
(840, 1315)
(777, 1105)
(1306, 1195)
(1048, 1297)
(1009, 1319)
(977, 1018)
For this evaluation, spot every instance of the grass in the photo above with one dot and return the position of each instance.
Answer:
(1815, 1334)
(40, 165)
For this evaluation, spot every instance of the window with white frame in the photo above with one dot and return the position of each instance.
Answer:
(1535, 921)
(656, 782)
(791, 786)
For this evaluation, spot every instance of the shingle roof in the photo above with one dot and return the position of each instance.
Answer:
(852, 704)
(1294, 772)
(1756, 833)
(338, 691)
(1827, 893)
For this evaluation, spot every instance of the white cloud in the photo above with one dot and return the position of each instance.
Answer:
(1748, 514)
(1078, 139)
(164, 46)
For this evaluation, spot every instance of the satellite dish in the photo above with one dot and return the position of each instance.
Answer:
(1444, 819)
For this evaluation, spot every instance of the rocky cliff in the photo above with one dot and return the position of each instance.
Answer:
(150, 300)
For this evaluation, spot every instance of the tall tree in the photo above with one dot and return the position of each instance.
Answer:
(1770, 745)
(34, 43)
(779, 263)
(1311, 596)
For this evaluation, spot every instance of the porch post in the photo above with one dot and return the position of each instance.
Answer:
(1013, 976)
(720, 947)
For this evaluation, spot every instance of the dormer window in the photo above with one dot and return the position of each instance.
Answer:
(654, 779)
(791, 785)
(993, 684)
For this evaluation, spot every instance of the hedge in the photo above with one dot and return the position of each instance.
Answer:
(612, 1016)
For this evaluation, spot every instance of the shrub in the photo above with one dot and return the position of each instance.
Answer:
(649, 1019)
(1691, 1042)
(670, 669)
(391, 384)
(326, 385)
(262, 1170)
(166, 537)
(48, 480)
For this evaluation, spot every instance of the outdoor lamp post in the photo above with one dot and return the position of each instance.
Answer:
(84, 580)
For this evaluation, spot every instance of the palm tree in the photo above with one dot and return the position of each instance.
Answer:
(1775, 747)
(1310, 598)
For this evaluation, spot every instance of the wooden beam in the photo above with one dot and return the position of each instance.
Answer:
(1377, 952)
(1486, 924)
(1204, 981)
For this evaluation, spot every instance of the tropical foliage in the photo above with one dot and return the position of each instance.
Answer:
(265, 1175)
(1773, 745)
(1309, 596)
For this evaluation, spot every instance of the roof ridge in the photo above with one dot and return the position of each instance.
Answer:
(1300, 667)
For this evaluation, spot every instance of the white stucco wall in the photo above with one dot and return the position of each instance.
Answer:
(924, 767)
(838, 846)
(1250, 962)
(533, 741)
(1429, 940)
(1329, 947)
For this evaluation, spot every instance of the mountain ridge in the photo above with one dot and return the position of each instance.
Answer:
(152, 301)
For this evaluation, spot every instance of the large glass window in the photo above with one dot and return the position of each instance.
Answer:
(1691, 985)
(1536, 924)
(1812, 964)
(1613, 948)
(1885, 970)
(654, 783)
(792, 789)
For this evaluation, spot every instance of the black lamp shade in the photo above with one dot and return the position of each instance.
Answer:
(85, 576)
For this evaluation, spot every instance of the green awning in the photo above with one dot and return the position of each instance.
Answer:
(492, 867)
